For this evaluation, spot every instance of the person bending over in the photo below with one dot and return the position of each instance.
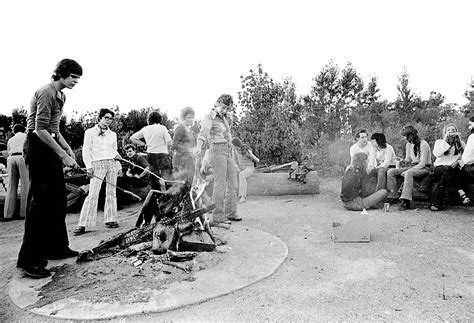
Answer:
(356, 194)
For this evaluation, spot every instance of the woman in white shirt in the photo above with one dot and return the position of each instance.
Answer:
(99, 152)
(417, 164)
(448, 152)
(381, 159)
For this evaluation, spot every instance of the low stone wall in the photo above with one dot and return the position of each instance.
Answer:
(271, 184)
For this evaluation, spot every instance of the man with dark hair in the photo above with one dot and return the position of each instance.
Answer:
(136, 177)
(215, 130)
(45, 152)
(467, 160)
(99, 153)
(17, 171)
(157, 140)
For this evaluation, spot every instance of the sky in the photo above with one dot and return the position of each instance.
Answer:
(172, 54)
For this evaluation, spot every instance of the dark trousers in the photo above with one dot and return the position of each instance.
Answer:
(160, 164)
(444, 177)
(45, 224)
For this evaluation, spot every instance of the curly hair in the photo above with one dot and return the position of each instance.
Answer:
(359, 161)
(154, 117)
(226, 99)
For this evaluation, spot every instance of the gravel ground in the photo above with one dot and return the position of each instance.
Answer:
(417, 267)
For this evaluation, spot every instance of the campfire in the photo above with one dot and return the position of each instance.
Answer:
(181, 229)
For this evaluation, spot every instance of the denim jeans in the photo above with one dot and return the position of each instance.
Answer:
(224, 195)
(381, 174)
(410, 174)
(243, 175)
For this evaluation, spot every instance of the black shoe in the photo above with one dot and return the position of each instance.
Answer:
(404, 205)
(112, 225)
(5, 219)
(36, 272)
(63, 255)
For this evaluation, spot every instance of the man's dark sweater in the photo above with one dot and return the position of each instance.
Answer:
(354, 184)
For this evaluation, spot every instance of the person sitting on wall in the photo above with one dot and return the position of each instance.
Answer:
(448, 152)
(356, 193)
(418, 164)
(362, 145)
(245, 161)
(382, 158)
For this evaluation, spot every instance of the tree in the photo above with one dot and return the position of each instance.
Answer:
(338, 93)
(270, 117)
(406, 100)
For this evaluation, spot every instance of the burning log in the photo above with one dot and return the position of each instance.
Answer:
(179, 226)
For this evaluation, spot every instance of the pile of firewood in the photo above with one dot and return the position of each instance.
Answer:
(180, 224)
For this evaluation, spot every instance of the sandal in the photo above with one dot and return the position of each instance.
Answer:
(112, 225)
(79, 231)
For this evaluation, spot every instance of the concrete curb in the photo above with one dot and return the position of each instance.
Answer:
(255, 255)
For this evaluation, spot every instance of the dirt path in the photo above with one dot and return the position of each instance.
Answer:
(418, 266)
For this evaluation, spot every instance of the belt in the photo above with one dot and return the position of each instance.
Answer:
(17, 154)
(53, 134)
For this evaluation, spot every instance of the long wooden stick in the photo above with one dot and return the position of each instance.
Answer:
(119, 188)
(149, 172)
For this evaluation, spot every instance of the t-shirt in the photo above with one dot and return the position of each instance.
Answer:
(156, 137)
(355, 148)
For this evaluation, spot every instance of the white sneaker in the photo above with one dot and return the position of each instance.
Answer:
(242, 200)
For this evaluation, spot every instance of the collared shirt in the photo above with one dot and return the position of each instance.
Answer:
(215, 129)
(156, 137)
(383, 157)
(15, 143)
(468, 154)
(46, 109)
(443, 158)
(98, 146)
(424, 156)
